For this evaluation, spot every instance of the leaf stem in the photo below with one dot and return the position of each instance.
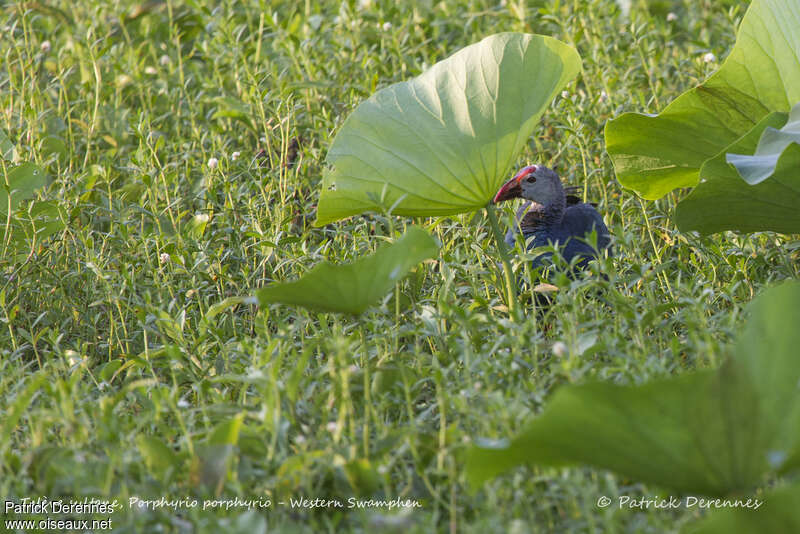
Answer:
(511, 287)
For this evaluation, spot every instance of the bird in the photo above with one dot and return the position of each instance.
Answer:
(554, 216)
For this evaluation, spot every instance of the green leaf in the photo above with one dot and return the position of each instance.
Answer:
(231, 108)
(212, 462)
(6, 146)
(767, 353)
(29, 227)
(778, 514)
(654, 155)
(710, 432)
(157, 456)
(227, 432)
(684, 433)
(16, 407)
(228, 303)
(23, 181)
(196, 227)
(353, 287)
(52, 144)
(444, 142)
(108, 370)
(362, 476)
(757, 167)
(724, 201)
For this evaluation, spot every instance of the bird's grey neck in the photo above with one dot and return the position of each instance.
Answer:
(551, 209)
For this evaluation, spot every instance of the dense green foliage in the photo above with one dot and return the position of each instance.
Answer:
(719, 433)
(117, 381)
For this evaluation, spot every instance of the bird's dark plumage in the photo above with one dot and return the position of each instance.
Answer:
(554, 216)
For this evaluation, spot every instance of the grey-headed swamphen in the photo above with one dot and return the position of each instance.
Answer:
(552, 217)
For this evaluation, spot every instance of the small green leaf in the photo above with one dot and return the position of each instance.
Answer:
(16, 407)
(231, 108)
(29, 227)
(654, 155)
(196, 227)
(389, 377)
(227, 432)
(444, 142)
(23, 181)
(724, 201)
(6, 147)
(362, 476)
(228, 303)
(158, 457)
(212, 462)
(52, 144)
(352, 288)
(109, 369)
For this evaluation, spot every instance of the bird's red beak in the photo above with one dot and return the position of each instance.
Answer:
(512, 188)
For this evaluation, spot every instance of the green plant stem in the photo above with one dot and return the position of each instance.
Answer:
(511, 288)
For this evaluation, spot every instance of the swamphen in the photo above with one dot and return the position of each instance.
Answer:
(552, 217)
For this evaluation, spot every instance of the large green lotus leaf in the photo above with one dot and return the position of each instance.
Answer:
(445, 141)
(778, 514)
(23, 181)
(353, 287)
(757, 167)
(767, 352)
(710, 432)
(724, 201)
(656, 154)
(684, 433)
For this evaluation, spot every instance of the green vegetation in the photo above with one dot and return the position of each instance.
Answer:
(184, 148)
(689, 141)
(718, 433)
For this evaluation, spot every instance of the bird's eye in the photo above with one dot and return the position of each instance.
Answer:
(530, 179)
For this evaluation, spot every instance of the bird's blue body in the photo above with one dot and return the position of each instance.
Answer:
(570, 234)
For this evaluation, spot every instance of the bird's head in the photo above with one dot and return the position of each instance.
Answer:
(535, 182)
